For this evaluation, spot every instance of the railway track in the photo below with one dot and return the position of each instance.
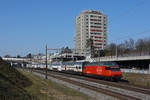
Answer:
(139, 92)
(93, 84)
(141, 89)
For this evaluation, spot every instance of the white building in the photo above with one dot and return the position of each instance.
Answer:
(90, 24)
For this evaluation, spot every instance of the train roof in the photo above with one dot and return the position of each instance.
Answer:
(86, 63)
(101, 63)
(72, 63)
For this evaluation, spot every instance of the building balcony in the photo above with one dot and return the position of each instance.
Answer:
(98, 36)
(95, 20)
(98, 43)
(98, 30)
(96, 26)
(98, 40)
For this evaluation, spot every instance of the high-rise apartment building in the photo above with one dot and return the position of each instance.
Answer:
(90, 24)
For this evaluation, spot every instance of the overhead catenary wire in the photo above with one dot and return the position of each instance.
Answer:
(127, 12)
(127, 36)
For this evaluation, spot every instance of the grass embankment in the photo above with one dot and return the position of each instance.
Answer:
(12, 83)
(21, 85)
(48, 90)
(137, 79)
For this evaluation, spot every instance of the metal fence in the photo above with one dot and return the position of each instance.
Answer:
(136, 71)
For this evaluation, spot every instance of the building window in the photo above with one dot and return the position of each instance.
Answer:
(91, 16)
(91, 22)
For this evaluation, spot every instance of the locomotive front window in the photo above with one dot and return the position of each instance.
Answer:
(113, 68)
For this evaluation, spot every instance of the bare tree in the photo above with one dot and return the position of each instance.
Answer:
(29, 55)
(131, 44)
(89, 45)
(148, 45)
(18, 56)
(7, 56)
(130, 47)
(112, 49)
(140, 46)
(121, 49)
(66, 50)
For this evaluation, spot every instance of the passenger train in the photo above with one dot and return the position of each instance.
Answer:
(103, 70)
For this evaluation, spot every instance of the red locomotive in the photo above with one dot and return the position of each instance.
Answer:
(103, 70)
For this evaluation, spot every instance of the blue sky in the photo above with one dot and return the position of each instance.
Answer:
(27, 25)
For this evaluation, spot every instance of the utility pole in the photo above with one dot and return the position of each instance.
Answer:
(149, 68)
(46, 63)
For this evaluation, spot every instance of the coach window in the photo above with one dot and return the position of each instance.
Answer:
(107, 68)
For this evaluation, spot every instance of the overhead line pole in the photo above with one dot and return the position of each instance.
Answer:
(46, 61)
(46, 64)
